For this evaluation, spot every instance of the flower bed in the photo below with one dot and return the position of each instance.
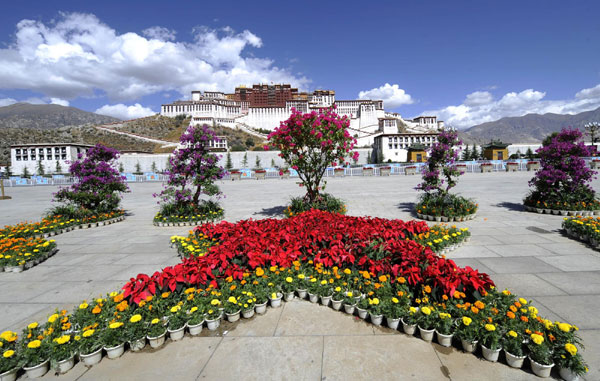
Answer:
(373, 266)
(446, 208)
(586, 229)
(18, 254)
(564, 208)
(189, 220)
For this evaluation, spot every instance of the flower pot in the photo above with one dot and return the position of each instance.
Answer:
(376, 319)
(444, 340)
(349, 308)
(233, 317)
(540, 370)
(261, 308)
(91, 358)
(314, 298)
(247, 314)
(137, 345)
(514, 361)
(157, 341)
(409, 329)
(9, 375)
(392, 323)
(469, 346)
(14, 269)
(555, 212)
(563, 212)
(490, 354)
(195, 329)
(288, 296)
(115, 352)
(336, 304)
(301, 294)
(37, 371)
(65, 365)
(438, 218)
(276, 302)
(177, 334)
(568, 375)
(325, 300)
(426, 334)
(571, 212)
(539, 210)
(547, 211)
(362, 313)
(213, 324)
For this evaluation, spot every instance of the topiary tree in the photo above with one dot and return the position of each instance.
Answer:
(257, 162)
(310, 143)
(529, 154)
(245, 160)
(153, 167)
(466, 155)
(475, 153)
(58, 167)
(98, 183)
(228, 164)
(138, 168)
(25, 172)
(40, 168)
(563, 178)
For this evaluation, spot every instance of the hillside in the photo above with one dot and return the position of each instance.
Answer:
(45, 117)
(531, 128)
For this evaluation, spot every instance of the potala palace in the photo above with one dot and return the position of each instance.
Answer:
(262, 107)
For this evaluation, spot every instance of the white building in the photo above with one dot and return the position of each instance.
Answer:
(395, 146)
(48, 154)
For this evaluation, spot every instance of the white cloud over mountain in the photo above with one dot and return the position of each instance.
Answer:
(125, 112)
(481, 106)
(392, 95)
(79, 56)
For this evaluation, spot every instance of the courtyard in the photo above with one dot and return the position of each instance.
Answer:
(524, 252)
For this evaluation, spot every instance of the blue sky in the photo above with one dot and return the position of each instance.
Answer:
(466, 61)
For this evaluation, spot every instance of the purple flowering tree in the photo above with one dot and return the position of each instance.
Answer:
(193, 171)
(562, 182)
(98, 183)
(439, 176)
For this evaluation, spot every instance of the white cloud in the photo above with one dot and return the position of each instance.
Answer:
(480, 106)
(392, 95)
(125, 112)
(58, 101)
(78, 55)
(7, 101)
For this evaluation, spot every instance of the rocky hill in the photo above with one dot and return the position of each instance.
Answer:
(531, 128)
(46, 117)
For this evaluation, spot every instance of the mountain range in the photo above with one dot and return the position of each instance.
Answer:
(44, 116)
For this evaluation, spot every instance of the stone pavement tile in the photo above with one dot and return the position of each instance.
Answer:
(474, 263)
(559, 238)
(305, 318)
(396, 357)
(591, 353)
(13, 313)
(580, 262)
(472, 251)
(517, 265)
(131, 271)
(76, 292)
(543, 311)
(459, 365)
(81, 273)
(583, 311)
(266, 358)
(179, 360)
(92, 259)
(575, 282)
(526, 284)
(149, 259)
(13, 293)
(477, 240)
(525, 250)
(570, 247)
(258, 325)
(148, 248)
(522, 238)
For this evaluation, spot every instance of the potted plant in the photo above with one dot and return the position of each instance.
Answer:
(136, 333)
(301, 286)
(235, 174)
(262, 298)
(426, 323)
(362, 308)
(571, 364)
(156, 332)
(35, 358)
(177, 322)
(195, 320)
(409, 321)
(468, 332)
(260, 173)
(385, 171)
(247, 302)
(349, 302)
(393, 310)
(313, 290)
(338, 172)
(325, 292)
(62, 354)
(232, 309)
(113, 338)
(213, 315)
(275, 299)
(367, 171)
(337, 298)
(90, 348)
(513, 349)
(288, 287)
(9, 365)
(540, 355)
(490, 342)
(444, 329)
(375, 311)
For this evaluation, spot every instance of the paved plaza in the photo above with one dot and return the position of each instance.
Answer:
(524, 252)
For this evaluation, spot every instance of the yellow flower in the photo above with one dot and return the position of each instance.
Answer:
(274, 295)
(571, 349)
(564, 327)
(115, 325)
(532, 310)
(9, 336)
(301, 276)
(135, 318)
(232, 299)
(490, 327)
(522, 301)
(83, 306)
(8, 354)
(374, 301)
(52, 318)
(215, 302)
(193, 309)
(155, 321)
(538, 339)
(347, 271)
(289, 279)
(323, 282)
(412, 310)
(395, 300)
(349, 294)
(426, 310)
(338, 289)
(88, 333)
(467, 320)
(63, 339)
(33, 325)
(512, 333)
(34, 344)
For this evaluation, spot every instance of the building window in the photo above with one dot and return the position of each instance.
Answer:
(390, 146)
(49, 153)
(18, 158)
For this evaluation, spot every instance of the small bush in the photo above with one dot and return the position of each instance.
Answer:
(324, 201)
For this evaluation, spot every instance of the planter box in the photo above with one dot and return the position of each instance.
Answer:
(338, 173)
(486, 168)
(512, 167)
(461, 167)
(533, 165)
(236, 176)
(410, 170)
(385, 171)
(368, 171)
(595, 164)
(285, 175)
(260, 175)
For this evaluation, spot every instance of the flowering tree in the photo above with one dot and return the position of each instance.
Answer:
(193, 169)
(563, 176)
(440, 165)
(311, 142)
(98, 184)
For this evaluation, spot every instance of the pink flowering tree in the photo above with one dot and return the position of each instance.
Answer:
(310, 143)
